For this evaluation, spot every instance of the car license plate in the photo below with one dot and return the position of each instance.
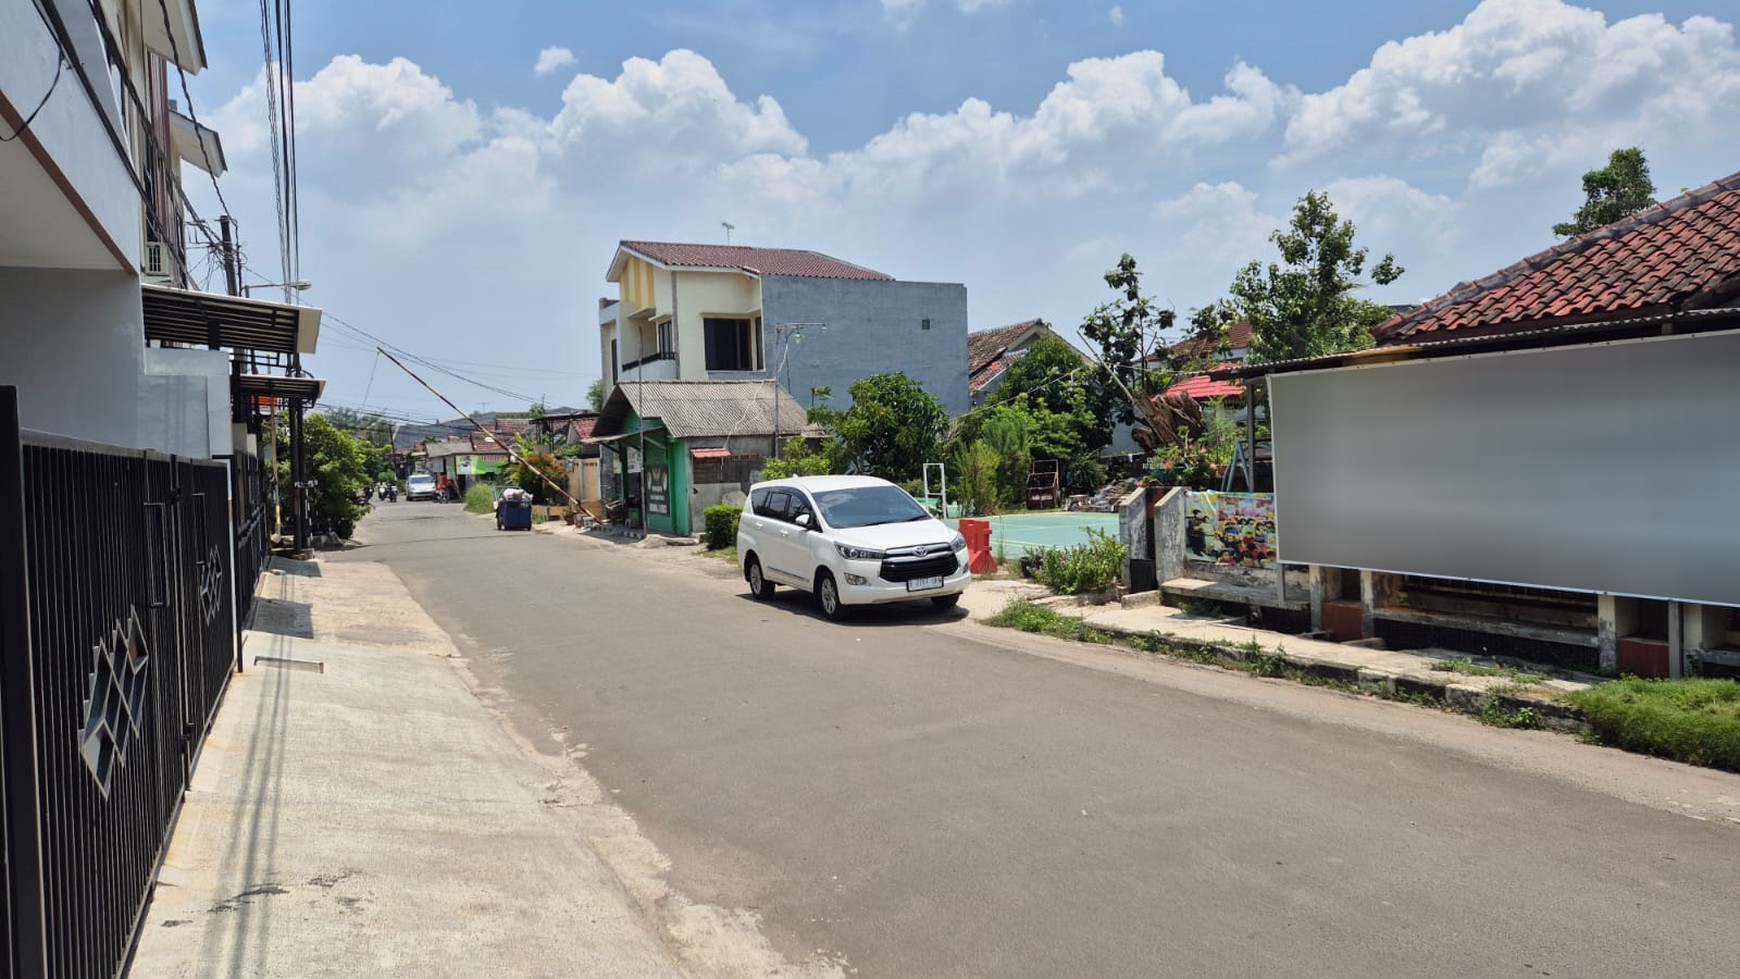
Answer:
(923, 584)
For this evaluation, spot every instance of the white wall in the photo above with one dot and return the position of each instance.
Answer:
(69, 127)
(73, 344)
(184, 402)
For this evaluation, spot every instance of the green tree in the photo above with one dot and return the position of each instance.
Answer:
(1617, 190)
(975, 465)
(595, 395)
(1304, 305)
(801, 458)
(534, 473)
(1130, 336)
(892, 429)
(337, 463)
(1054, 377)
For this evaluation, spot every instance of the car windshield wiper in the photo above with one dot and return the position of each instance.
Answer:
(916, 516)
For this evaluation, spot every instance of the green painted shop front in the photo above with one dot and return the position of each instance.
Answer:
(665, 499)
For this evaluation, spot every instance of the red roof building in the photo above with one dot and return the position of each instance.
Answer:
(1680, 255)
(755, 261)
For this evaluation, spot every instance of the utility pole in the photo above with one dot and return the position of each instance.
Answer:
(232, 274)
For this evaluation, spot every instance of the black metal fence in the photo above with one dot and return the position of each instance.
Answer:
(251, 512)
(117, 642)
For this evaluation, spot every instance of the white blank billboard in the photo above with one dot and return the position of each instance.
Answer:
(1602, 468)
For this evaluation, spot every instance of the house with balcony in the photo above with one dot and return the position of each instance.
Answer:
(814, 322)
(136, 404)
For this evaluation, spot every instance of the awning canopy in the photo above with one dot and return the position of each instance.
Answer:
(288, 390)
(209, 320)
(710, 453)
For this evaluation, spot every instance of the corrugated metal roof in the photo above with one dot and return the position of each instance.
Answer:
(695, 409)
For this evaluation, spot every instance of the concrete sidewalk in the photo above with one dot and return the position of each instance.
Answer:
(1383, 671)
(359, 812)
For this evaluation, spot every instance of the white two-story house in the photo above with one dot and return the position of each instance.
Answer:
(813, 322)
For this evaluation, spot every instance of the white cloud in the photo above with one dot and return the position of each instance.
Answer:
(1455, 150)
(1112, 119)
(1116, 16)
(552, 60)
(671, 113)
(1527, 86)
(1213, 227)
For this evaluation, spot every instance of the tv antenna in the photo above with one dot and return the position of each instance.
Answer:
(729, 227)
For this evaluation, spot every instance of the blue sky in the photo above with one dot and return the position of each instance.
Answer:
(464, 204)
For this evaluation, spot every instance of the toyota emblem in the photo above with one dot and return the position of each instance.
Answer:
(921, 550)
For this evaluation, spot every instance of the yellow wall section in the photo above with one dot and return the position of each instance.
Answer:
(703, 294)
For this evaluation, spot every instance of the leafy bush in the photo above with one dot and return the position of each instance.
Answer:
(1083, 568)
(480, 498)
(721, 530)
(801, 457)
(531, 476)
(1696, 721)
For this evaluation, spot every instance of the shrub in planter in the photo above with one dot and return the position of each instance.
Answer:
(721, 529)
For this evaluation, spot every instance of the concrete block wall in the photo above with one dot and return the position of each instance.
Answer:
(873, 327)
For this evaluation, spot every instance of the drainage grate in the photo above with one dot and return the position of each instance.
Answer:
(278, 662)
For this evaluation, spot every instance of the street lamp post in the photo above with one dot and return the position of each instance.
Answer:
(299, 285)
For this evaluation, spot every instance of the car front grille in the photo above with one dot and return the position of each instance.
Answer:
(909, 567)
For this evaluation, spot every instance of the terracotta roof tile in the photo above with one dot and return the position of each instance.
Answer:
(760, 261)
(987, 345)
(1200, 386)
(1683, 254)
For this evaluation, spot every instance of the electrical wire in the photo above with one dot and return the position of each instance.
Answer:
(59, 66)
(175, 59)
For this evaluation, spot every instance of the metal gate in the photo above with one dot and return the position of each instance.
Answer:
(117, 642)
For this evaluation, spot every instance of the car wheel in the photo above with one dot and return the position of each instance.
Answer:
(946, 601)
(828, 597)
(760, 588)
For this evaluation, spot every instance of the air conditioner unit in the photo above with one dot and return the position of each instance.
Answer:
(158, 260)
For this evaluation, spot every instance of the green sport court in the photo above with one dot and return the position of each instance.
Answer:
(1015, 533)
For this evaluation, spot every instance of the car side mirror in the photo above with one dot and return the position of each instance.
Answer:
(803, 520)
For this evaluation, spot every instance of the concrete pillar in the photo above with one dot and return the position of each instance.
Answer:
(1325, 587)
(1615, 618)
(1376, 590)
(1676, 642)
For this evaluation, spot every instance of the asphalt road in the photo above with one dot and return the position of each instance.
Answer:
(913, 796)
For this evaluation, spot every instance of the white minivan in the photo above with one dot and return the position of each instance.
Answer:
(849, 540)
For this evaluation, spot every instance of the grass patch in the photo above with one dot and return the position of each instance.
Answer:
(479, 499)
(1696, 721)
(1028, 617)
(1464, 666)
(1495, 714)
(723, 553)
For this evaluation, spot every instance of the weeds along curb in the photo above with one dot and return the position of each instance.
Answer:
(1509, 708)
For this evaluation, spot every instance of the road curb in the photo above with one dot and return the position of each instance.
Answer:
(1450, 693)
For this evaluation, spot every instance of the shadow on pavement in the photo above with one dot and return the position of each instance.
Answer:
(915, 613)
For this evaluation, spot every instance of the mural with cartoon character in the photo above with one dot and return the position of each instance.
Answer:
(1231, 529)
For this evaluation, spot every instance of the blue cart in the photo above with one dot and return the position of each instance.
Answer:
(514, 510)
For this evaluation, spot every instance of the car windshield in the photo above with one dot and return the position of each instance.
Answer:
(867, 506)
(422, 479)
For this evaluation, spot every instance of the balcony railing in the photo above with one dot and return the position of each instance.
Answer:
(661, 366)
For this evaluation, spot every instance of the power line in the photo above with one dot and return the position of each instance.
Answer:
(175, 57)
(59, 66)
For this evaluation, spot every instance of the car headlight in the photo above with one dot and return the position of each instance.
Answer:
(959, 543)
(851, 553)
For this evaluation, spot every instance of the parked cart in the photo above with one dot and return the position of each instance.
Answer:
(513, 511)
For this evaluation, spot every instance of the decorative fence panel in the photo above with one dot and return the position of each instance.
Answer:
(116, 645)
